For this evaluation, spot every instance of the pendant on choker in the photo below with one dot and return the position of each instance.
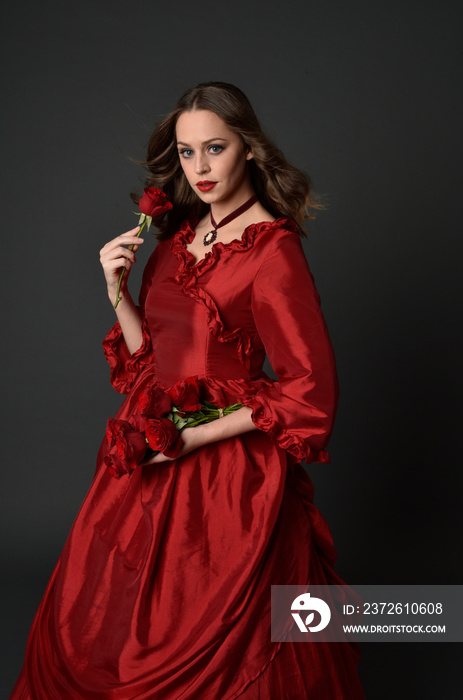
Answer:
(209, 237)
(212, 235)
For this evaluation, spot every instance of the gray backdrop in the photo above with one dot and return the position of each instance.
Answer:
(363, 95)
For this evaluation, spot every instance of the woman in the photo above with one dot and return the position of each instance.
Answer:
(163, 587)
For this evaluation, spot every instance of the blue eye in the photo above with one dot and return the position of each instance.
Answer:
(215, 148)
(186, 152)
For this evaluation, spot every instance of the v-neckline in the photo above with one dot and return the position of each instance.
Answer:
(190, 268)
(218, 247)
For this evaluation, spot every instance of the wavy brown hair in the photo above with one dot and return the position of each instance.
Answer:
(281, 188)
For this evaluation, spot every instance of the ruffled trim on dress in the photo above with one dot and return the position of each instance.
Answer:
(189, 272)
(223, 392)
(124, 367)
(290, 442)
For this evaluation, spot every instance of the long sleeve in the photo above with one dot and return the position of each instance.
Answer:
(298, 410)
(124, 367)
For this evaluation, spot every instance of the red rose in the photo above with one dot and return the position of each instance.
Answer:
(161, 433)
(114, 428)
(185, 395)
(153, 202)
(153, 402)
(127, 447)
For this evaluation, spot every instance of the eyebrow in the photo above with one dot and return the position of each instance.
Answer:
(204, 143)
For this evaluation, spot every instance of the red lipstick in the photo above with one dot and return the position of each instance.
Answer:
(205, 185)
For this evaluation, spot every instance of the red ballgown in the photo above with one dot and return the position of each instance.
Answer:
(162, 590)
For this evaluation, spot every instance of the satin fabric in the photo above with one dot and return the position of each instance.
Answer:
(163, 587)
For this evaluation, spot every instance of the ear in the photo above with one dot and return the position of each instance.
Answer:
(249, 155)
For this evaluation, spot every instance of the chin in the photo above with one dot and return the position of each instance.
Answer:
(209, 197)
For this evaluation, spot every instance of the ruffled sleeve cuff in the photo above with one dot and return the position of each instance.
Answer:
(124, 367)
(288, 439)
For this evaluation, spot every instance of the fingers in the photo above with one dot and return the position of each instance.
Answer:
(116, 264)
(158, 458)
(117, 254)
(125, 239)
(115, 259)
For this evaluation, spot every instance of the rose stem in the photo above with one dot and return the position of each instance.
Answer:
(118, 298)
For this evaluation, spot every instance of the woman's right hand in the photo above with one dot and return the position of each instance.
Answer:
(116, 256)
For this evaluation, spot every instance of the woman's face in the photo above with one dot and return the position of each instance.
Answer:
(214, 158)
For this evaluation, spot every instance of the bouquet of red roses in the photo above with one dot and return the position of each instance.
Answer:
(156, 425)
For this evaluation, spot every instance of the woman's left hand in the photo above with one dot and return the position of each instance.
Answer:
(235, 423)
(191, 438)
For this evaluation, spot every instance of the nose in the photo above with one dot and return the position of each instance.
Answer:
(201, 164)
